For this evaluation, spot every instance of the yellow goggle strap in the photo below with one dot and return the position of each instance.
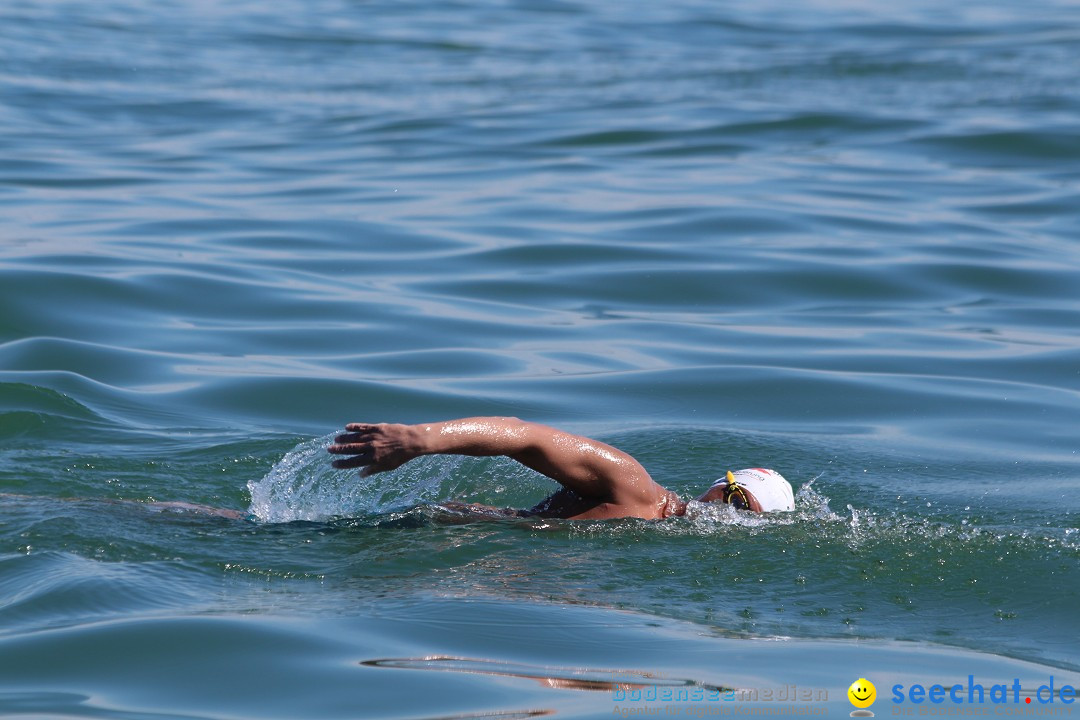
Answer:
(734, 488)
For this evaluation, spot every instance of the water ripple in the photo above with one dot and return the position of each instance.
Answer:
(837, 238)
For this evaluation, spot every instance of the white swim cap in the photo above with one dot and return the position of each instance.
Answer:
(770, 488)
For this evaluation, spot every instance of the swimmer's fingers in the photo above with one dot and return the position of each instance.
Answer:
(355, 436)
(350, 444)
(353, 462)
(374, 455)
(367, 464)
(363, 452)
(367, 432)
(376, 448)
(363, 427)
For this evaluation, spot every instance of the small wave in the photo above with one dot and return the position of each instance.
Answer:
(24, 399)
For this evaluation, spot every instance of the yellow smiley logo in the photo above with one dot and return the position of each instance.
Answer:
(862, 693)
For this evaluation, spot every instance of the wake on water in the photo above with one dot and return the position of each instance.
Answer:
(303, 486)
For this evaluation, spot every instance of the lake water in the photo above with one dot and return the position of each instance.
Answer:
(835, 238)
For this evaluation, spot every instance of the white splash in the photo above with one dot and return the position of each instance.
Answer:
(304, 486)
(811, 506)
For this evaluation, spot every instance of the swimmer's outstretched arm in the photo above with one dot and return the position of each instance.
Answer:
(589, 467)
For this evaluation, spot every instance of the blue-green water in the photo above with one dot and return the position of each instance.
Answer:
(838, 239)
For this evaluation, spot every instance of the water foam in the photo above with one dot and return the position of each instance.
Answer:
(304, 486)
(811, 506)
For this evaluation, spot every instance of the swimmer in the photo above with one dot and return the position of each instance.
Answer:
(598, 481)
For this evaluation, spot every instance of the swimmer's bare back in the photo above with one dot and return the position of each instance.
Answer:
(562, 504)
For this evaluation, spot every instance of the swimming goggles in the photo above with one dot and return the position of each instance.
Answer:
(732, 489)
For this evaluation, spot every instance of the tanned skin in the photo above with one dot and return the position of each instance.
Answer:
(599, 482)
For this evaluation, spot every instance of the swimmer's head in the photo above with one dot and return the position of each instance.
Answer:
(753, 489)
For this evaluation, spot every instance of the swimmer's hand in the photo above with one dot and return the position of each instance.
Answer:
(375, 448)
